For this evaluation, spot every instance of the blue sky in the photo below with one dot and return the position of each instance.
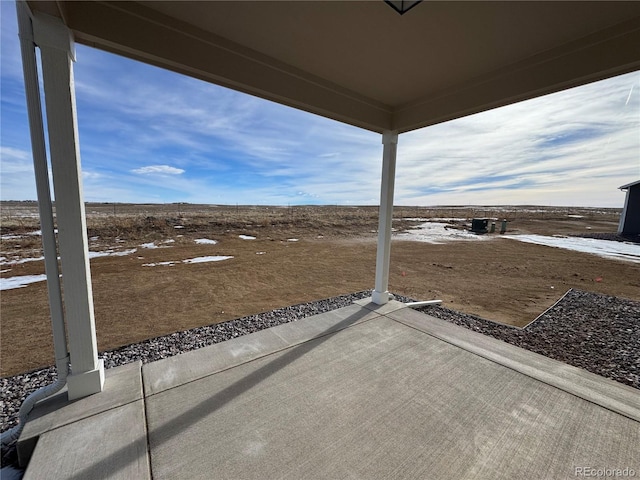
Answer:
(150, 135)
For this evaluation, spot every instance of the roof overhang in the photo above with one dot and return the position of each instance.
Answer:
(360, 62)
(629, 185)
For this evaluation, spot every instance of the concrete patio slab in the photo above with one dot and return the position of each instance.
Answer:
(354, 393)
(92, 448)
(123, 385)
(381, 400)
(323, 324)
(181, 369)
(594, 388)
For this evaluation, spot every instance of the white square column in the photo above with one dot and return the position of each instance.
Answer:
(57, 52)
(380, 294)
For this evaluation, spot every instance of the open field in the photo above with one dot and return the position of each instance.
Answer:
(297, 254)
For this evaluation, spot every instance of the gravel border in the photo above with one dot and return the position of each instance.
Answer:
(16, 388)
(596, 332)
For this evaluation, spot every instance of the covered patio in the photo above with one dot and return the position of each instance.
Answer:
(364, 64)
(366, 391)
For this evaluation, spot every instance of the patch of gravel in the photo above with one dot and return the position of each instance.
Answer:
(598, 333)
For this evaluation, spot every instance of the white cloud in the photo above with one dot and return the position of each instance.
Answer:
(158, 170)
(570, 148)
(15, 159)
(87, 175)
(17, 181)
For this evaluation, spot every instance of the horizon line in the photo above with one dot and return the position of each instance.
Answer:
(324, 205)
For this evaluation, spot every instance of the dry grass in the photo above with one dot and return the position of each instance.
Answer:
(503, 280)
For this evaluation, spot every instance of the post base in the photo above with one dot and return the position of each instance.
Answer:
(86, 383)
(380, 298)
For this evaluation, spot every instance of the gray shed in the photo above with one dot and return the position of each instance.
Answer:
(630, 218)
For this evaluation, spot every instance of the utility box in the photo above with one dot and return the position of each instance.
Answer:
(479, 225)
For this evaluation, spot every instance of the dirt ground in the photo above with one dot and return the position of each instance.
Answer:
(309, 253)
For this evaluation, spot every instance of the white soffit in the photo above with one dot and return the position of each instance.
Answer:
(360, 62)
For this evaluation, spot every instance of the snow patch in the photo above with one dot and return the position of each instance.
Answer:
(20, 281)
(39, 232)
(437, 233)
(149, 245)
(292, 240)
(603, 248)
(246, 237)
(432, 219)
(23, 260)
(170, 264)
(215, 258)
(205, 241)
(112, 253)
(260, 253)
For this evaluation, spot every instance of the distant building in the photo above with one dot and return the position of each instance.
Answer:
(630, 218)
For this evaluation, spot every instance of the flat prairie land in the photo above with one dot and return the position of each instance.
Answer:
(146, 282)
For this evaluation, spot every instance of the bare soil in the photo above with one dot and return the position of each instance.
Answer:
(500, 279)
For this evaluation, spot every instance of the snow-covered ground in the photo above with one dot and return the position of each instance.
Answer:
(438, 232)
(105, 253)
(156, 264)
(162, 244)
(34, 233)
(603, 248)
(22, 260)
(20, 281)
(205, 241)
(438, 219)
(112, 253)
(211, 258)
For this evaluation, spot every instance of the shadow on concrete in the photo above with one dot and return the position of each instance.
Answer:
(120, 459)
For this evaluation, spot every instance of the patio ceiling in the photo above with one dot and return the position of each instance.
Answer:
(364, 64)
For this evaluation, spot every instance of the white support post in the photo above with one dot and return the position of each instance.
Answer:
(34, 108)
(57, 52)
(380, 294)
